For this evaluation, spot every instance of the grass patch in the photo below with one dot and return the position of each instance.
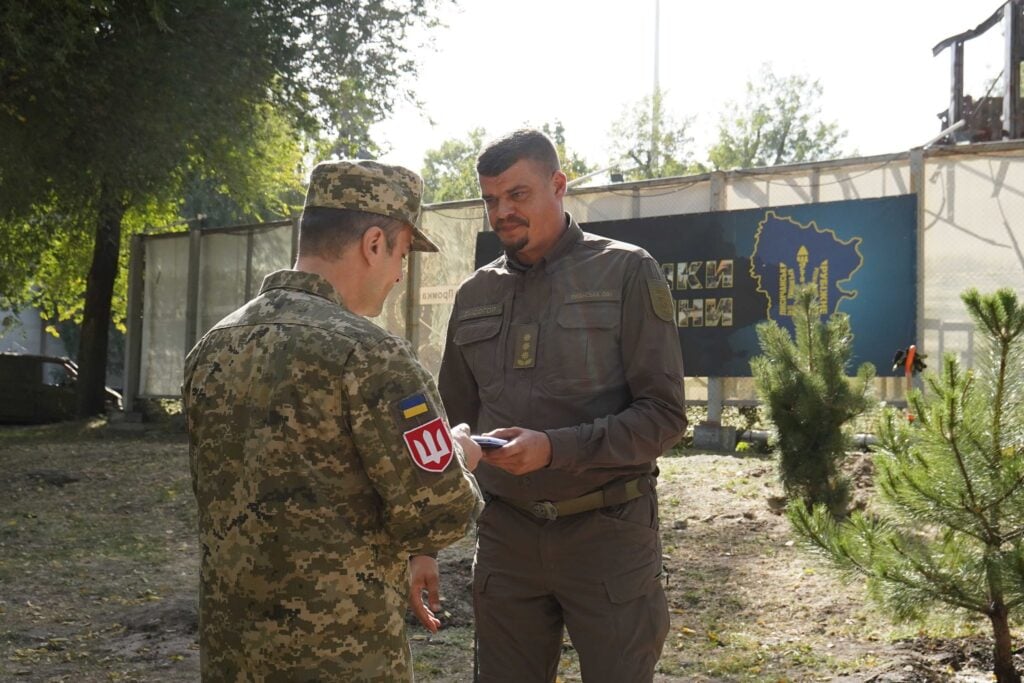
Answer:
(98, 575)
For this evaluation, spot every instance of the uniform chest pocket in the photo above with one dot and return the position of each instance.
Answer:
(603, 315)
(587, 343)
(479, 341)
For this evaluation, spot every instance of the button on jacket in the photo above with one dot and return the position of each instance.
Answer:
(576, 346)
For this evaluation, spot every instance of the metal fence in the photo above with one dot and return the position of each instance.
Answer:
(970, 218)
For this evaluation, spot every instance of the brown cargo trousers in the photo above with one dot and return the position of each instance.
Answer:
(596, 573)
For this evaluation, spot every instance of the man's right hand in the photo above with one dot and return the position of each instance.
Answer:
(424, 576)
(469, 447)
(526, 451)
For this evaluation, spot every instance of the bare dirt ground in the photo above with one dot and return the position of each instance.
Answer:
(98, 563)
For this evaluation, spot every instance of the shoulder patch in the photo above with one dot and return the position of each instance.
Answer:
(661, 299)
(430, 445)
(413, 406)
(412, 411)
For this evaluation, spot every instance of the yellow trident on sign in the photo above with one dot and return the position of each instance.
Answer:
(792, 278)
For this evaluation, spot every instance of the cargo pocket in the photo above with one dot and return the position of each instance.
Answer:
(633, 584)
(480, 579)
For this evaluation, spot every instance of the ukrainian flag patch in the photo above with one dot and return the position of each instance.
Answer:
(413, 406)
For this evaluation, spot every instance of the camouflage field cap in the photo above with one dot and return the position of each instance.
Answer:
(370, 186)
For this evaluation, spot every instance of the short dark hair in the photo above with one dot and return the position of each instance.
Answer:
(327, 232)
(526, 143)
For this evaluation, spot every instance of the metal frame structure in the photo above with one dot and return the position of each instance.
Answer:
(1011, 14)
(136, 275)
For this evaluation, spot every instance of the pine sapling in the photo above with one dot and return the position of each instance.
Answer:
(803, 383)
(948, 529)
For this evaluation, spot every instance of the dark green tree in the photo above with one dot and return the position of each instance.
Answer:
(778, 123)
(449, 172)
(264, 186)
(650, 142)
(106, 108)
(949, 530)
(803, 382)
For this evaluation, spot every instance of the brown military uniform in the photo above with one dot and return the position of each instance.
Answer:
(321, 459)
(583, 346)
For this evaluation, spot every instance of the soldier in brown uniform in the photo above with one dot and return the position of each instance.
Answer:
(321, 456)
(567, 346)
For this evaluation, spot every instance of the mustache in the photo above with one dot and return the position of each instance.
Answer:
(511, 221)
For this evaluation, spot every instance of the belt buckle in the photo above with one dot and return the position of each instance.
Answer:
(544, 509)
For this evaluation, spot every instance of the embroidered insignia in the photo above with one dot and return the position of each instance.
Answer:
(413, 406)
(525, 347)
(661, 299)
(481, 312)
(596, 295)
(430, 445)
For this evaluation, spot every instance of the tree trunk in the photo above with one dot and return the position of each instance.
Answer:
(1004, 670)
(99, 291)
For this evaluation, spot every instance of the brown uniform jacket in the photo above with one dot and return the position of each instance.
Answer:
(581, 345)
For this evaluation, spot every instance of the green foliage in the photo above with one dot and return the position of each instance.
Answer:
(950, 530)
(573, 165)
(157, 100)
(110, 113)
(262, 184)
(779, 123)
(809, 397)
(654, 144)
(449, 172)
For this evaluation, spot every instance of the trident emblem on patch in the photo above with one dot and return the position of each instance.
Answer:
(430, 445)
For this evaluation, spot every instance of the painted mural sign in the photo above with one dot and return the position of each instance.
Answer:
(730, 270)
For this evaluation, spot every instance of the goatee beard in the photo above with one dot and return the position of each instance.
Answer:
(514, 221)
(517, 246)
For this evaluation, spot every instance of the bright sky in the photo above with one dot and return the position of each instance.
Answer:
(500, 64)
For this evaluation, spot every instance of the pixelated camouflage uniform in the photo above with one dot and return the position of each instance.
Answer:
(309, 501)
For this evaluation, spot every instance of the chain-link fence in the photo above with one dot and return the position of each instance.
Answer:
(970, 213)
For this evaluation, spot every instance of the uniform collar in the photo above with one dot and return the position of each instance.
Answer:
(301, 281)
(570, 236)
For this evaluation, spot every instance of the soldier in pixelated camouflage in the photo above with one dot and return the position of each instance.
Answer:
(321, 455)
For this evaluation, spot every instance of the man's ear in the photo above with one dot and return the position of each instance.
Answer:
(374, 243)
(560, 183)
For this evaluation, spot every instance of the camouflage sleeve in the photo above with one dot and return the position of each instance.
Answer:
(403, 439)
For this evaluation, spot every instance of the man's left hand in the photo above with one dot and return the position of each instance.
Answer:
(526, 451)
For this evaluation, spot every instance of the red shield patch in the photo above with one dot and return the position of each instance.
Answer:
(430, 445)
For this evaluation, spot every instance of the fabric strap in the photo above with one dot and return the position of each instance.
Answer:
(616, 493)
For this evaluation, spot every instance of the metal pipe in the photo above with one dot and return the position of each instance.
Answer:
(760, 436)
(947, 131)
